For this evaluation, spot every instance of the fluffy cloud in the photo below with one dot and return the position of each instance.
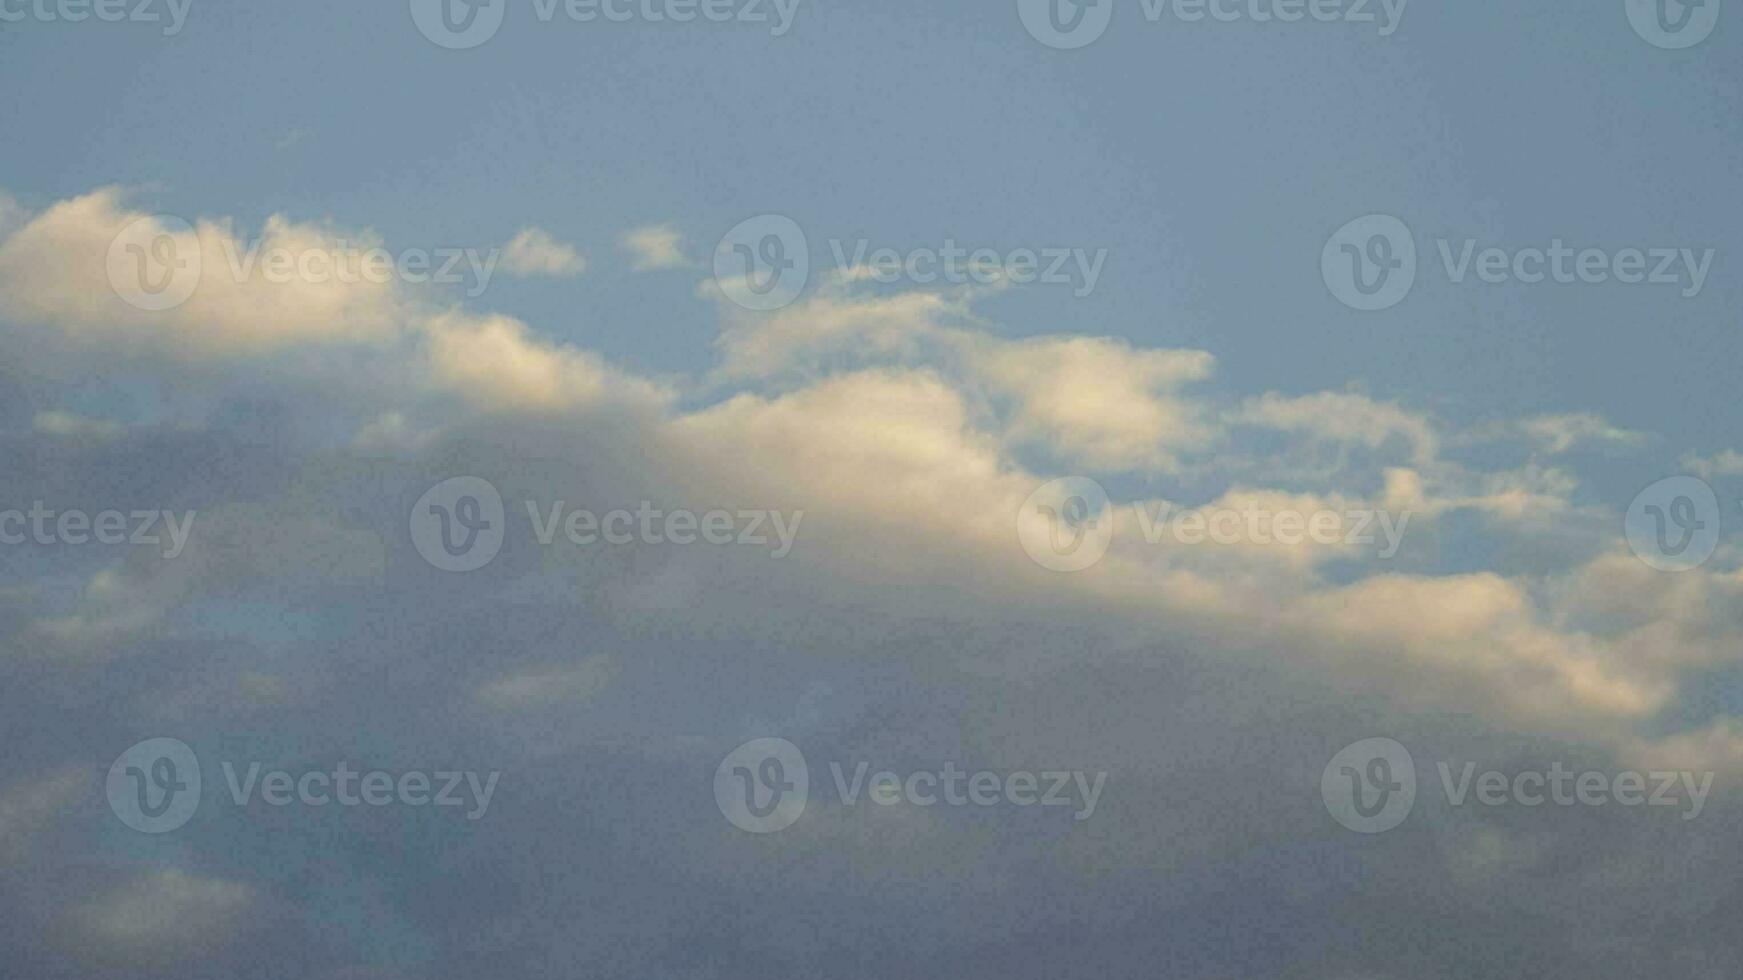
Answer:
(911, 435)
(1560, 433)
(496, 363)
(1342, 418)
(55, 273)
(1096, 402)
(1727, 462)
(834, 327)
(533, 252)
(655, 247)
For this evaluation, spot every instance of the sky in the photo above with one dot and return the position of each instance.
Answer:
(1221, 431)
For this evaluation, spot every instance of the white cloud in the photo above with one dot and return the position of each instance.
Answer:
(894, 428)
(533, 252)
(1560, 433)
(1727, 462)
(1096, 401)
(656, 247)
(497, 363)
(1342, 417)
(834, 327)
(54, 273)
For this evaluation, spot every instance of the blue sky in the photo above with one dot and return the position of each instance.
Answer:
(1209, 159)
(938, 439)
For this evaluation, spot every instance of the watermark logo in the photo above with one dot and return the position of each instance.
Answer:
(1370, 263)
(763, 263)
(150, 264)
(44, 525)
(350, 787)
(1674, 24)
(1265, 526)
(1066, 24)
(174, 12)
(1674, 525)
(1066, 525)
(154, 787)
(1079, 268)
(763, 785)
(343, 262)
(1370, 787)
(459, 24)
(458, 525)
(651, 525)
(157, 262)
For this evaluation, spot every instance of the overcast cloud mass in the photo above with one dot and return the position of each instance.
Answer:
(822, 488)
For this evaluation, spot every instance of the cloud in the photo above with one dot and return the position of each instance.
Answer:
(30, 806)
(1560, 433)
(897, 420)
(74, 426)
(836, 327)
(12, 215)
(533, 252)
(910, 432)
(54, 272)
(495, 362)
(655, 247)
(117, 605)
(1342, 418)
(1098, 403)
(541, 687)
(1727, 462)
(167, 915)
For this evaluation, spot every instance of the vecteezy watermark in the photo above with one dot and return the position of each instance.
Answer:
(1370, 787)
(1067, 525)
(764, 263)
(763, 786)
(135, 527)
(1272, 526)
(1674, 525)
(1371, 264)
(459, 525)
(175, 12)
(1069, 24)
(461, 24)
(157, 262)
(1078, 268)
(155, 786)
(650, 525)
(344, 262)
(1673, 24)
